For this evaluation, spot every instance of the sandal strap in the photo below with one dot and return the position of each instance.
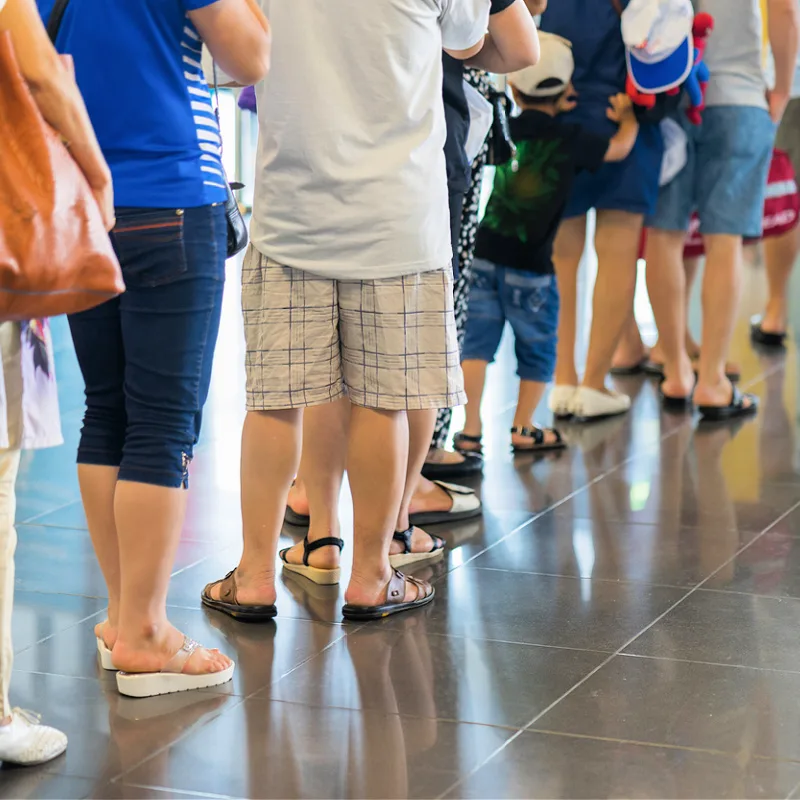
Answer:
(227, 588)
(310, 547)
(405, 538)
(537, 434)
(396, 589)
(178, 661)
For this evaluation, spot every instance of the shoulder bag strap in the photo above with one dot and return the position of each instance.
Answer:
(617, 6)
(56, 16)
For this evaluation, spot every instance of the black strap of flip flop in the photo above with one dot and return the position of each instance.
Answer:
(405, 538)
(310, 547)
(537, 434)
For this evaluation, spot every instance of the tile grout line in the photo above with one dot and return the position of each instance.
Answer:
(611, 657)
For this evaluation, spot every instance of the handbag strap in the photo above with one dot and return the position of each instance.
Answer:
(617, 6)
(56, 17)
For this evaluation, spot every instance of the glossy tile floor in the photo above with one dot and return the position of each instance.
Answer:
(624, 622)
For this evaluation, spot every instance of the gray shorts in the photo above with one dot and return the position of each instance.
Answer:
(387, 344)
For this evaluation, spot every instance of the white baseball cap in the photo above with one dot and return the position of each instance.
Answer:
(658, 43)
(552, 73)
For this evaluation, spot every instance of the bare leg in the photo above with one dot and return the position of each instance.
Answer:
(149, 521)
(617, 245)
(319, 482)
(780, 255)
(377, 480)
(691, 267)
(630, 350)
(270, 458)
(567, 254)
(98, 486)
(474, 383)
(722, 287)
(667, 289)
(530, 395)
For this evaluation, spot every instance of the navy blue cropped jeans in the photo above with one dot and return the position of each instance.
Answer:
(146, 356)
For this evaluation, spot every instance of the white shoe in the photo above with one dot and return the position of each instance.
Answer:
(589, 404)
(104, 654)
(27, 742)
(561, 400)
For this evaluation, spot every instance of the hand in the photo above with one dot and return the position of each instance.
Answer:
(777, 102)
(621, 108)
(567, 102)
(105, 201)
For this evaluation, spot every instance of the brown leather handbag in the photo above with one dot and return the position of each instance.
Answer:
(55, 254)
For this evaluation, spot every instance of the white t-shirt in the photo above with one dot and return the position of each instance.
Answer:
(350, 172)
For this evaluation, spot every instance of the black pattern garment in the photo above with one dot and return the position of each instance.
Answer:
(466, 248)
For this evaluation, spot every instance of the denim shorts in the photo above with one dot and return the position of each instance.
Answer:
(725, 176)
(630, 185)
(529, 302)
(146, 356)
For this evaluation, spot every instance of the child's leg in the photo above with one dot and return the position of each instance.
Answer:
(482, 337)
(531, 304)
(567, 254)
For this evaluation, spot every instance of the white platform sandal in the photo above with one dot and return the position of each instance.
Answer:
(171, 678)
(104, 654)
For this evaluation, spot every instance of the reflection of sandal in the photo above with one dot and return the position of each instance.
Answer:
(408, 556)
(741, 405)
(466, 444)
(395, 600)
(171, 678)
(229, 605)
(538, 436)
(324, 577)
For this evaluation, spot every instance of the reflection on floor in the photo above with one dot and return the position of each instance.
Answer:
(622, 623)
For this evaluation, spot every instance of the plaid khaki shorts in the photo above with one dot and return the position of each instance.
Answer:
(388, 344)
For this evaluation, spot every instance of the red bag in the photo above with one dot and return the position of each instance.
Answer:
(781, 208)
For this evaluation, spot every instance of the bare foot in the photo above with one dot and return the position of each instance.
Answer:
(252, 589)
(107, 632)
(628, 355)
(529, 443)
(680, 384)
(718, 395)
(323, 558)
(430, 497)
(372, 591)
(421, 542)
(438, 456)
(774, 320)
(153, 654)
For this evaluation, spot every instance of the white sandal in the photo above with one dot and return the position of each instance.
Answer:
(106, 660)
(590, 405)
(561, 401)
(171, 678)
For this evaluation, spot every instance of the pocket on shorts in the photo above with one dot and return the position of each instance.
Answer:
(527, 292)
(150, 245)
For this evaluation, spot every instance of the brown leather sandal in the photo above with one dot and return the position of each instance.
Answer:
(395, 600)
(229, 605)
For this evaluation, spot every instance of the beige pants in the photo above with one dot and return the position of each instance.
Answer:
(9, 465)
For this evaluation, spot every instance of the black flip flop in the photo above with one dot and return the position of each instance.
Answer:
(766, 338)
(677, 405)
(229, 605)
(471, 465)
(298, 520)
(633, 369)
(395, 594)
(657, 371)
(539, 445)
(736, 409)
(462, 438)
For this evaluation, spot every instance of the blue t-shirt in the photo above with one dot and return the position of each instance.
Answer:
(138, 65)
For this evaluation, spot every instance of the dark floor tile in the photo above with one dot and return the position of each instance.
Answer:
(602, 549)
(110, 734)
(124, 791)
(409, 671)
(539, 765)
(728, 629)
(538, 609)
(685, 704)
(269, 749)
(38, 615)
(263, 653)
(38, 782)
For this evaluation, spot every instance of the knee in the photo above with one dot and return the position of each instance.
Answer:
(103, 433)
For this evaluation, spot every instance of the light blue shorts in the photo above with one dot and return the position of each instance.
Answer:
(725, 176)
